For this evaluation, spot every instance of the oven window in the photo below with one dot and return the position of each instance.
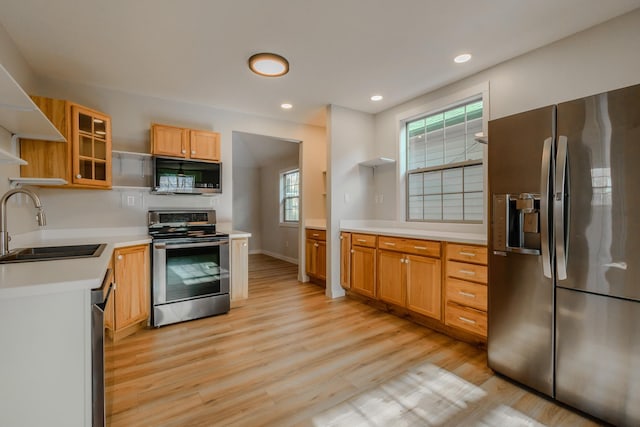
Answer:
(193, 272)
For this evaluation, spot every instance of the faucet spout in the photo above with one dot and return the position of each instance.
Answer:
(4, 233)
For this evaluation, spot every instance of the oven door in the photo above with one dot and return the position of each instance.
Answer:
(186, 271)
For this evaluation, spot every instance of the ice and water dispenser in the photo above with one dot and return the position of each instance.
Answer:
(516, 223)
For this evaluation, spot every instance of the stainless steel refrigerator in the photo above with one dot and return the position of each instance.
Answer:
(564, 258)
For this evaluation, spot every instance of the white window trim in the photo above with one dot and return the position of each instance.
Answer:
(281, 173)
(443, 103)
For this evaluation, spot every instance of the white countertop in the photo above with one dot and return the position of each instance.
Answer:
(455, 233)
(47, 277)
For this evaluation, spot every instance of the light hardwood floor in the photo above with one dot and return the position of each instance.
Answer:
(290, 356)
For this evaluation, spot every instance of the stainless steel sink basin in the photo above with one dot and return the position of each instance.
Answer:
(49, 253)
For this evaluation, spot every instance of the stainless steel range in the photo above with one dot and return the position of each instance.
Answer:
(190, 266)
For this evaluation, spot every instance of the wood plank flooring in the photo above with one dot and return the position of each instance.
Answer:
(292, 357)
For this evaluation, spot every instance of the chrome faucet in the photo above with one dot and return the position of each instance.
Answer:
(4, 234)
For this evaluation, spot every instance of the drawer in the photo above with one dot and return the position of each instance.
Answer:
(466, 318)
(466, 271)
(368, 240)
(467, 253)
(316, 234)
(467, 293)
(410, 246)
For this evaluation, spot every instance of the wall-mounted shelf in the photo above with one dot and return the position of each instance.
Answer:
(130, 188)
(378, 161)
(129, 153)
(15, 181)
(8, 158)
(19, 114)
(131, 170)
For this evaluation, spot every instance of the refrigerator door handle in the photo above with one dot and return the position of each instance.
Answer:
(559, 208)
(545, 234)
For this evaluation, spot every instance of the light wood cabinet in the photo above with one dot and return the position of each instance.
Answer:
(84, 161)
(175, 141)
(131, 295)
(424, 285)
(316, 255)
(345, 260)
(239, 270)
(363, 264)
(466, 288)
(407, 280)
(109, 312)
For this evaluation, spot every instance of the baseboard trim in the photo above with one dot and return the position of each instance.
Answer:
(274, 255)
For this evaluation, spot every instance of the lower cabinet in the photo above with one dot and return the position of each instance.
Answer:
(239, 270)
(345, 260)
(316, 255)
(128, 309)
(363, 264)
(409, 273)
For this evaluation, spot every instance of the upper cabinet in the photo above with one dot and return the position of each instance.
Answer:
(19, 114)
(185, 143)
(85, 160)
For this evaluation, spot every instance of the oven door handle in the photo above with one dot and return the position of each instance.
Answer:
(189, 245)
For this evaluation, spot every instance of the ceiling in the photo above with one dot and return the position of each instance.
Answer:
(341, 51)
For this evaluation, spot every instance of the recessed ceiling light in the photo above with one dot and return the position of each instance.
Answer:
(269, 64)
(286, 106)
(462, 58)
(376, 98)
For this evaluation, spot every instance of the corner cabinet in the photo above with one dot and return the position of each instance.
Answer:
(175, 141)
(128, 310)
(84, 161)
(239, 270)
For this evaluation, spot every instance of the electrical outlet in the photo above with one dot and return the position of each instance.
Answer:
(131, 200)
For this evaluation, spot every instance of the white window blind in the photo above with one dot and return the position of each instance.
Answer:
(444, 165)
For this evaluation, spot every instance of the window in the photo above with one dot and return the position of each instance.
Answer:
(444, 165)
(290, 196)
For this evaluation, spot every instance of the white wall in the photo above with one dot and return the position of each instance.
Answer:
(596, 60)
(277, 240)
(131, 117)
(247, 200)
(350, 186)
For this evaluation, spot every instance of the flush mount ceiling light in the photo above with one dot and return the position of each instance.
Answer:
(286, 106)
(460, 59)
(269, 64)
(376, 98)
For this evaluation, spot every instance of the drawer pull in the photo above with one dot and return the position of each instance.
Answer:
(352, 251)
(467, 253)
(362, 240)
(467, 294)
(467, 272)
(389, 244)
(420, 248)
(466, 320)
(316, 245)
(315, 234)
(341, 237)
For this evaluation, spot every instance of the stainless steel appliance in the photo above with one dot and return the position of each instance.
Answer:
(99, 299)
(564, 295)
(190, 266)
(183, 176)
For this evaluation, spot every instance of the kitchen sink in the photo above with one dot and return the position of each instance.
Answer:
(50, 253)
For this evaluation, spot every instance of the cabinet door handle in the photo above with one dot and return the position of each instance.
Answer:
(467, 253)
(420, 248)
(244, 244)
(352, 251)
(341, 237)
(401, 260)
(193, 151)
(467, 294)
(78, 176)
(468, 272)
(119, 257)
(466, 320)
(184, 151)
(389, 244)
(316, 245)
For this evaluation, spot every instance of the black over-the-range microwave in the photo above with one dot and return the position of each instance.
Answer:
(184, 176)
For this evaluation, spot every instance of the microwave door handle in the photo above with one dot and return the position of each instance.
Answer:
(545, 232)
(559, 207)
